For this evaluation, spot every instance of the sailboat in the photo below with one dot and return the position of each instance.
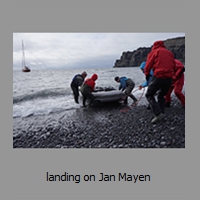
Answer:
(24, 67)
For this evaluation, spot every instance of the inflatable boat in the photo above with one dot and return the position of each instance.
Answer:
(108, 94)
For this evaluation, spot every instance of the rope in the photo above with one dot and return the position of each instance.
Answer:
(134, 104)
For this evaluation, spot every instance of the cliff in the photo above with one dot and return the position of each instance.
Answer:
(136, 57)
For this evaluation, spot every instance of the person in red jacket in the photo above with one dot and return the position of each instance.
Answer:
(87, 89)
(162, 62)
(177, 85)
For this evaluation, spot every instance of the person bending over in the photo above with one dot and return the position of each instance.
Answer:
(87, 88)
(128, 85)
(77, 81)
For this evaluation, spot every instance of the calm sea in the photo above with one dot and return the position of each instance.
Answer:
(41, 92)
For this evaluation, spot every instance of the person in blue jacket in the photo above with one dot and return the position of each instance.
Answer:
(128, 85)
(146, 83)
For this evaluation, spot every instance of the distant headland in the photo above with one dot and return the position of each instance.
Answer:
(136, 57)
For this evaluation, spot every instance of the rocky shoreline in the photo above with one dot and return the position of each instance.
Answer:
(108, 126)
(136, 57)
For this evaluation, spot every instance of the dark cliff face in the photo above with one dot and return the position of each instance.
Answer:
(136, 57)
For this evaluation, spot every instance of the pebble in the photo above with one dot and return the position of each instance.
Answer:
(103, 127)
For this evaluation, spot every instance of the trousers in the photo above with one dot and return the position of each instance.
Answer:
(160, 87)
(75, 92)
(177, 87)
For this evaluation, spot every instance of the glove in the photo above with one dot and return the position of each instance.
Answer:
(140, 87)
(147, 77)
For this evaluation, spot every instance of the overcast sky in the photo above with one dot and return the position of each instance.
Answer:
(74, 50)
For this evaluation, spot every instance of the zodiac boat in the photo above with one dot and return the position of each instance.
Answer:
(107, 94)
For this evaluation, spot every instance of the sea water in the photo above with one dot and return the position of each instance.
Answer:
(41, 92)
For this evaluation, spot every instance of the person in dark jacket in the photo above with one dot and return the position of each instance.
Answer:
(77, 81)
(128, 85)
(87, 88)
(162, 62)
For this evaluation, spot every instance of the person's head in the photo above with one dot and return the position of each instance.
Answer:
(117, 79)
(84, 74)
(94, 77)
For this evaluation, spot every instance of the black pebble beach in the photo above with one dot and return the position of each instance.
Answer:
(108, 126)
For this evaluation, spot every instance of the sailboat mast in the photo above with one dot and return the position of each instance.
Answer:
(24, 67)
(23, 56)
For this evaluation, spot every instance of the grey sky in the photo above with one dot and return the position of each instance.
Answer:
(73, 50)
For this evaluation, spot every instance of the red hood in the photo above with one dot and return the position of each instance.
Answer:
(158, 44)
(94, 77)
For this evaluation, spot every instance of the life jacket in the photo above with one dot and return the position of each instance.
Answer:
(78, 80)
(91, 81)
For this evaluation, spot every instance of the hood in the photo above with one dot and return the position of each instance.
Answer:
(158, 44)
(142, 66)
(94, 77)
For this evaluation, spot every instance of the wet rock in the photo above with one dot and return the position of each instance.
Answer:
(104, 127)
